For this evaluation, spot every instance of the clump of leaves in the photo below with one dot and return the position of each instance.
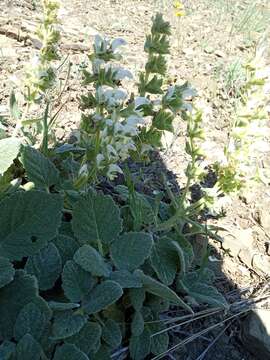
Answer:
(84, 274)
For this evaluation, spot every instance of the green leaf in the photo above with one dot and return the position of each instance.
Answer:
(9, 150)
(139, 346)
(137, 297)
(28, 348)
(13, 297)
(62, 306)
(88, 338)
(96, 219)
(163, 121)
(154, 86)
(13, 107)
(27, 227)
(76, 282)
(69, 352)
(103, 295)
(7, 350)
(160, 26)
(130, 250)
(164, 260)
(156, 65)
(156, 288)
(160, 342)
(111, 333)
(67, 246)
(7, 271)
(31, 320)
(195, 284)
(39, 169)
(126, 279)
(91, 260)
(67, 323)
(137, 325)
(46, 265)
(102, 354)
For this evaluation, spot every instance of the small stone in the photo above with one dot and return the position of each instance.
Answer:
(256, 333)
(261, 264)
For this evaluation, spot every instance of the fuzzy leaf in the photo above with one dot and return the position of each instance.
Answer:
(103, 353)
(126, 279)
(13, 107)
(31, 320)
(139, 346)
(7, 271)
(7, 350)
(67, 246)
(66, 324)
(160, 342)
(156, 288)
(164, 260)
(28, 348)
(96, 218)
(39, 169)
(130, 250)
(103, 295)
(27, 227)
(137, 325)
(46, 265)
(62, 306)
(69, 352)
(77, 283)
(13, 297)
(163, 121)
(111, 333)
(195, 284)
(137, 297)
(9, 150)
(91, 260)
(88, 338)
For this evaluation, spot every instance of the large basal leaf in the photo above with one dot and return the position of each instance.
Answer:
(103, 353)
(137, 324)
(9, 150)
(130, 250)
(67, 246)
(31, 320)
(13, 297)
(7, 271)
(28, 348)
(46, 265)
(7, 350)
(160, 342)
(76, 282)
(88, 338)
(126, 279)
(164, 260)
(197, 286)
(66, 324)
(139, 346)
(96, 218)
(111, 334)
(91, 260)
(69, 352)
(28, 220)
(156, 288)
(39, 169)
(103, 295)
(137, 297)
